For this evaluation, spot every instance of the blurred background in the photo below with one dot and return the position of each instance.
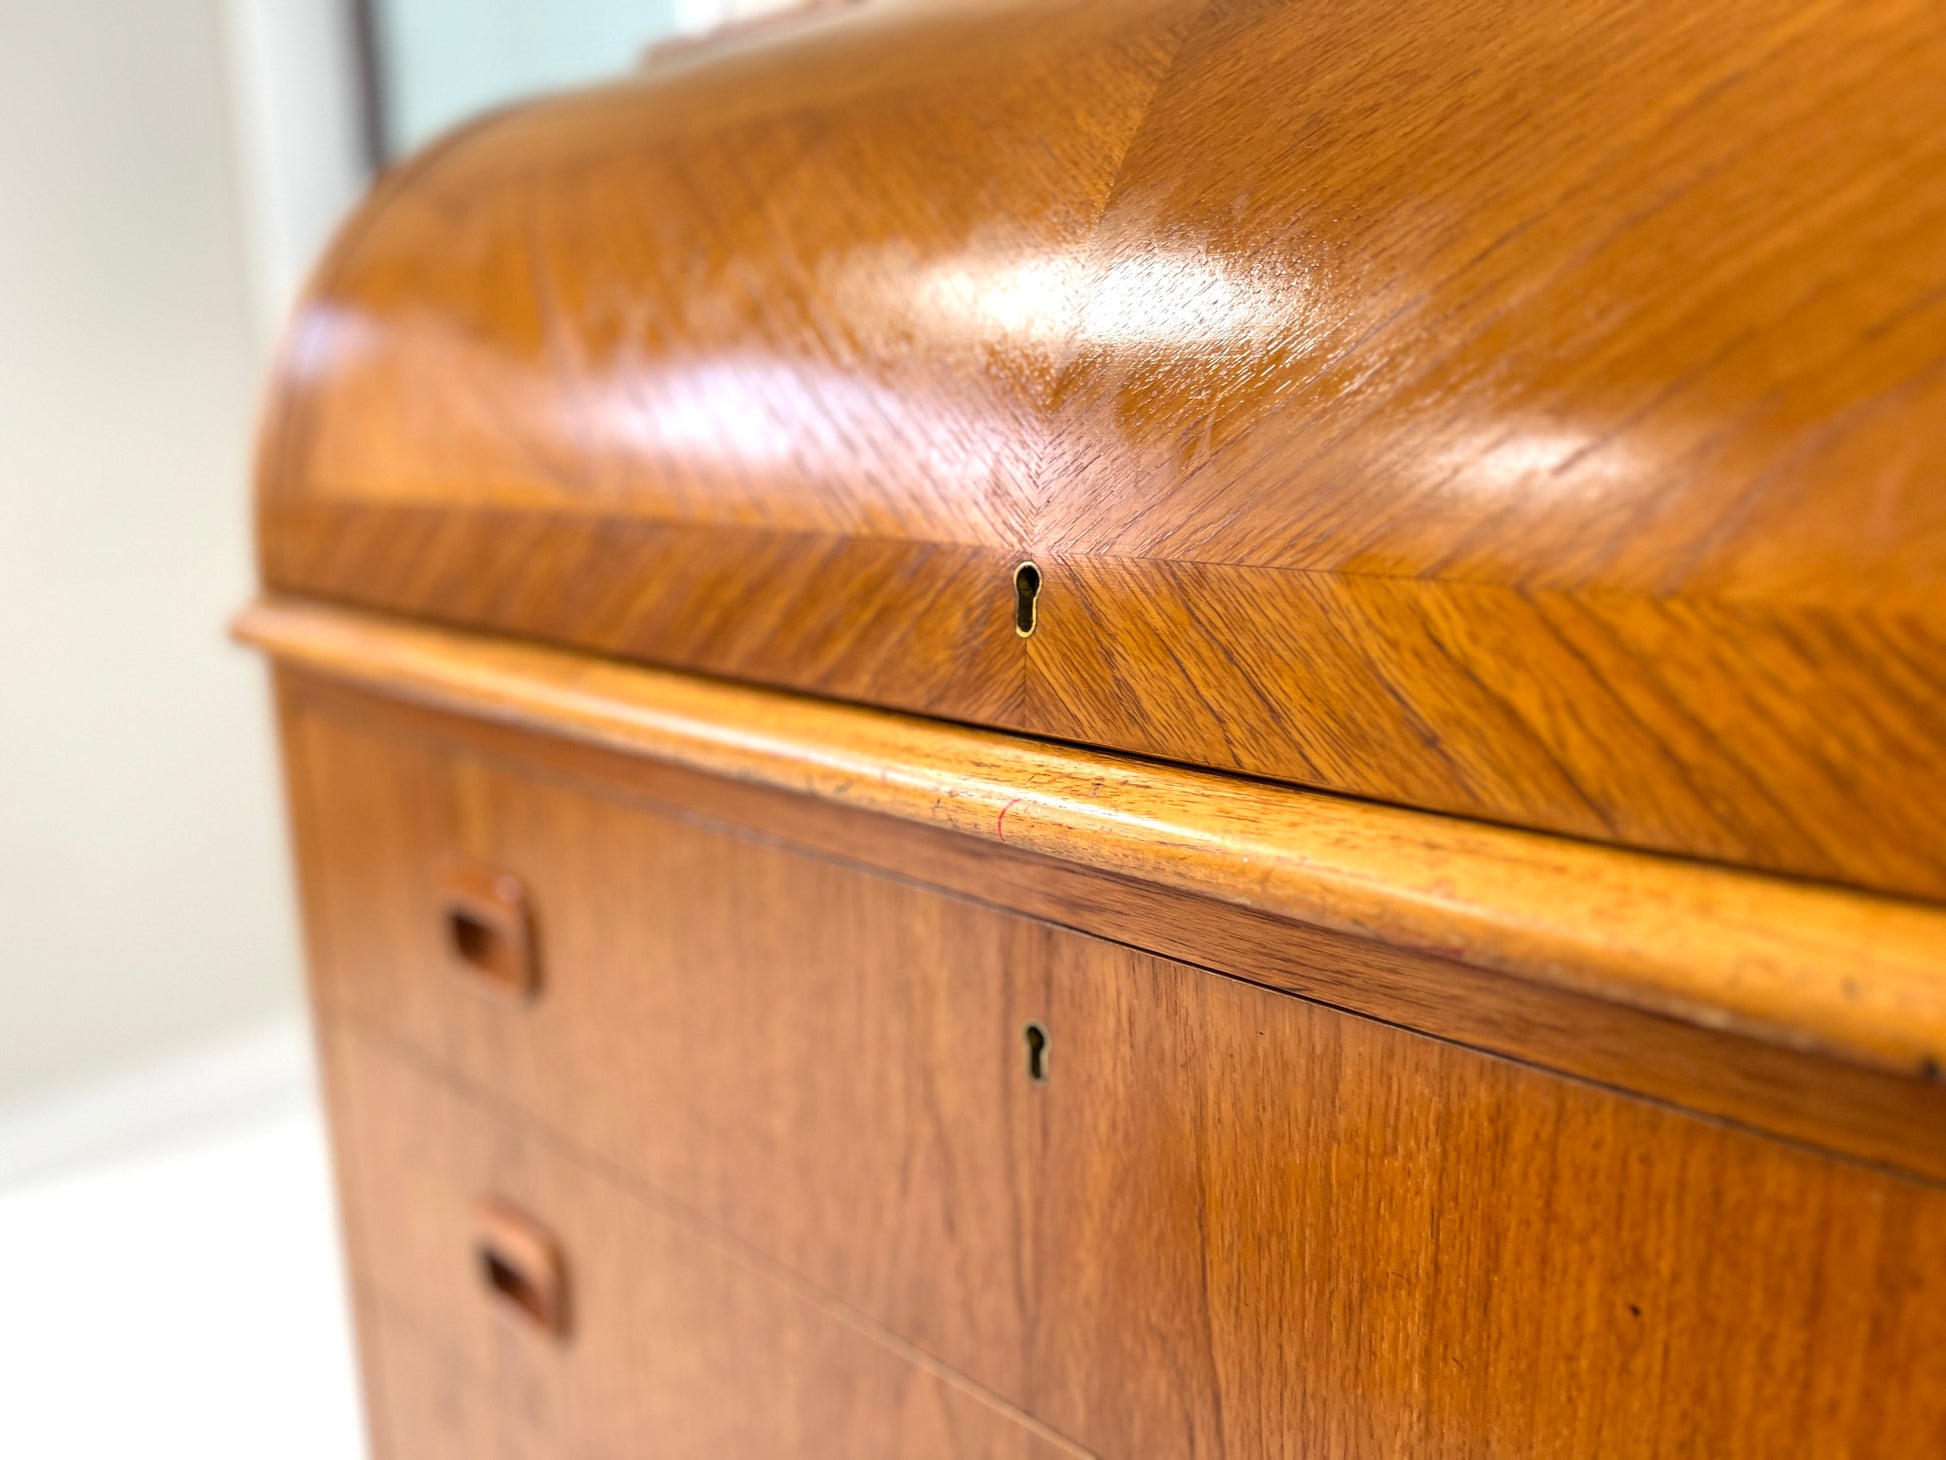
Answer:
(168, 171)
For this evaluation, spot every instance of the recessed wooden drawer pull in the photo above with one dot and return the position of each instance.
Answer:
(489, 929)
(521, 1267)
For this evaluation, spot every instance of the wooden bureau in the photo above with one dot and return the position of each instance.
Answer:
(1140, 729)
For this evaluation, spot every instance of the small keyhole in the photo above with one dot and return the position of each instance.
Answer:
(1035, 1038)
(1027, 593)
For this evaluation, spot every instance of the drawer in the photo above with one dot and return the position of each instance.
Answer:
(520, 1304)
(1221, 1220)
(799, 1052)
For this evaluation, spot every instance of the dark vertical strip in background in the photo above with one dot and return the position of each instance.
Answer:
(372, 117)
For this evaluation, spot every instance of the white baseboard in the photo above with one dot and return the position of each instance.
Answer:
(259, 1070)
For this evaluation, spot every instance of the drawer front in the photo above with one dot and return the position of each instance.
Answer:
(665, 1340)
(1221, 1221)
(801, 1053)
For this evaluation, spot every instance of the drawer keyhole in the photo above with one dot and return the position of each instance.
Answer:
(1034, 1036)
(1027, 594)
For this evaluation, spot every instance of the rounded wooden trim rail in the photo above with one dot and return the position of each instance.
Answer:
(1851, 974)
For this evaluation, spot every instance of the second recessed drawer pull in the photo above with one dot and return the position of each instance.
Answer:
(521, 1267)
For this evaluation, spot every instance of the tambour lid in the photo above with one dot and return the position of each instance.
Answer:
(1535, 413)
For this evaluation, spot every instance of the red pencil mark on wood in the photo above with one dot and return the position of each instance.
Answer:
(1000, 821)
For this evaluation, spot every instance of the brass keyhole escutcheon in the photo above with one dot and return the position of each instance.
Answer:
(1027, 596)
(1034, 1036)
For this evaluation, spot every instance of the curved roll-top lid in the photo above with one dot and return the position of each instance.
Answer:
(1536, 413)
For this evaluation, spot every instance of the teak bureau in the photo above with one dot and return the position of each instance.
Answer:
(1147, 729)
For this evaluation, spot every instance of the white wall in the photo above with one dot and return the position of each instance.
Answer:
(144, 887)
(168, 171)
(299, 139)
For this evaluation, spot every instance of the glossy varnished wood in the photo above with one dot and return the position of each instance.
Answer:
(351, 748)
(1857, 975)
(1227, 1222)
(1526, 412)
(1520, 414)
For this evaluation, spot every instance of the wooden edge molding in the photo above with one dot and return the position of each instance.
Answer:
(1853, 975)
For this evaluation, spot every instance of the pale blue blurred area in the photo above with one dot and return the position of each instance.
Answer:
(445, 60)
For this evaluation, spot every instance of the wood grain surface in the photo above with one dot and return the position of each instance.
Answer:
(428, 774)
(1528, 412)
(1228, 1221)
(1857, 975)
(682, 1345)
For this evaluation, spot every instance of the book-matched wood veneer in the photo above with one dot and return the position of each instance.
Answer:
(1448, 490)
(1528, 412)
